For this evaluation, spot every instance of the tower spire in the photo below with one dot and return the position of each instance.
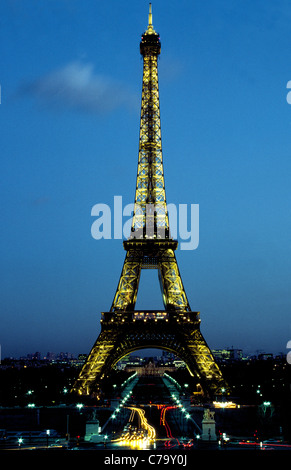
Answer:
(150, 29)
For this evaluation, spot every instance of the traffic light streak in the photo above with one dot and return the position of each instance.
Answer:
(138, 437)
(164, 422)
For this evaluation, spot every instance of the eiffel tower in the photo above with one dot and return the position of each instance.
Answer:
(176, 328)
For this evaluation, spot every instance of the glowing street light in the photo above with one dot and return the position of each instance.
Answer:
(47, 436)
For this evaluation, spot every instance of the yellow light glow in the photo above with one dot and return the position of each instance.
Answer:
(224, 404)
(142, 439)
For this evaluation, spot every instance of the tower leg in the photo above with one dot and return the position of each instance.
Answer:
(126, 293)
(173, 290)
(93, 370)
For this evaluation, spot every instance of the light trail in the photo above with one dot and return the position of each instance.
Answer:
(264, 444)
(151, 432)
(171, 439)
(141, 436)
(164, 422)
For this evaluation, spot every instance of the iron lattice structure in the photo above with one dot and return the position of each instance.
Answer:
(150, 246)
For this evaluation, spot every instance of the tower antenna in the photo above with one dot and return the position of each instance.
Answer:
(150, 25)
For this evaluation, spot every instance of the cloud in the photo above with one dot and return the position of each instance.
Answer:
(76, 87)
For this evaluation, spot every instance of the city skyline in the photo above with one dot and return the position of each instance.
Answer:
(70, 103)
(144, 354)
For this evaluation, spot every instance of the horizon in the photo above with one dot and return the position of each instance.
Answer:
(142, 353)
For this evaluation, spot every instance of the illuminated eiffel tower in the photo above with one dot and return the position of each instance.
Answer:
(150, 246)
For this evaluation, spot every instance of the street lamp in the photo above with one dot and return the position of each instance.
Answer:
(197, 437)
(47, 436)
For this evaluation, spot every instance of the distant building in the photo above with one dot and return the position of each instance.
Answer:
(265, 356)
(32, 357)
(50, 356)
(150, 368)
(227, 354)
(82, 357)
(129, 361)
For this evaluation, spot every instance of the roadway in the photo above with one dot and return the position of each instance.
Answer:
(153, 418)
(159, 417)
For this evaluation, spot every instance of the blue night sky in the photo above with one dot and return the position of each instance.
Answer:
(71, 76)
